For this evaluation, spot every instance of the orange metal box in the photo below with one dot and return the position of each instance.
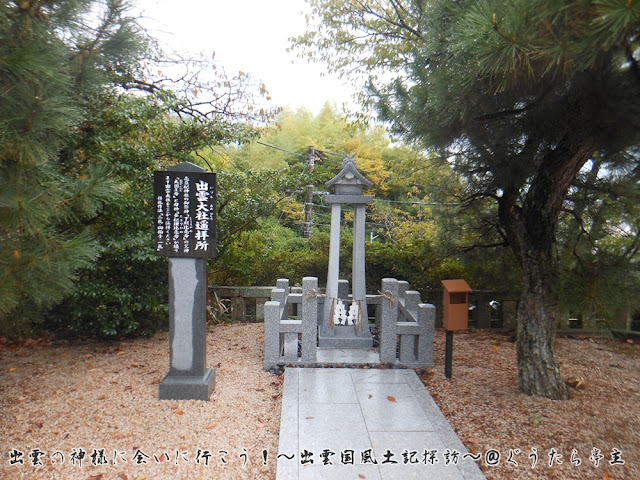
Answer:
(455, 302)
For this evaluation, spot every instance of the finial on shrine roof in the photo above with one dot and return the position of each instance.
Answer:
(348, 159)
(349, 180)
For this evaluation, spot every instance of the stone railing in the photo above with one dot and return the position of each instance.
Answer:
(289, 339)
(488, 309)
(407, 326)
(292, 316)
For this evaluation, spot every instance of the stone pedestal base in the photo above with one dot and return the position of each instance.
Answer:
(343, 336)
(175, 387)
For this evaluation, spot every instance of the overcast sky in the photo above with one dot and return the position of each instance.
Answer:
(251, 36)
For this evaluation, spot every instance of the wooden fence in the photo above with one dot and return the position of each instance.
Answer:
(487, 309)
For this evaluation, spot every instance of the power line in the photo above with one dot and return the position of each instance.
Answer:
(282, 149)
(446, 204)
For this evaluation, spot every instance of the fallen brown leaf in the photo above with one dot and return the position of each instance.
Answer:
(576, 382)
(178, 412)
(123, 476)
(391, 399)
(95, 477)
(361, 476)
(210, 426)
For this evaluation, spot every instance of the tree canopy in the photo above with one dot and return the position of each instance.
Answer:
(86, 115)
(413, 228)
(523, 98)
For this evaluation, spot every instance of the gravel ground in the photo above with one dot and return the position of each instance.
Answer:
(101, 399)
(484, 405)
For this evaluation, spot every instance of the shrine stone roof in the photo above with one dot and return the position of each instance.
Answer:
(349, 181)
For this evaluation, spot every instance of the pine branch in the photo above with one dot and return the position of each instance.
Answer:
(513, 111)
(466, 249)
(495, 27)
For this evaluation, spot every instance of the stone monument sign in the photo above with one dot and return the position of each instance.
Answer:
(185, 231)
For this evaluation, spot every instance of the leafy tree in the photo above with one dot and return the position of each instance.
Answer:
(414, 224)
(270, 251)
(520, 96)
(87, 115)
(599, 230)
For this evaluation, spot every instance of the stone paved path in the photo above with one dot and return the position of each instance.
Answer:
(348, 413)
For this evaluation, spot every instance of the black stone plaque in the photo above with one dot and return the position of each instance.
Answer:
(185, 214)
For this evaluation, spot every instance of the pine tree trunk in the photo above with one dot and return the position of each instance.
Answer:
(538, 369)
(530, 229)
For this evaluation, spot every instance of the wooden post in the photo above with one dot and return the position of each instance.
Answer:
(448, 353)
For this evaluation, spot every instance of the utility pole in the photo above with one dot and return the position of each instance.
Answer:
(308, 197)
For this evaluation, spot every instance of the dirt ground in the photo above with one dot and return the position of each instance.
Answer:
(102, 399)
(63, 399)
(538, 438)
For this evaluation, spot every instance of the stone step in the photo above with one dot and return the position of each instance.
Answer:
(347, 356)
(342, 336)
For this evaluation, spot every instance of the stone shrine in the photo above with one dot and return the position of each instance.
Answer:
(304, 327)
(344, 322)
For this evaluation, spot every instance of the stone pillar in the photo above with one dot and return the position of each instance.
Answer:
(271, 334)
(260, 309)
(185, 232)
(510, 314)
(427, 321)
(238, 308)
(333, 271)
(389, 329)
(359, 283)
(309, 316)
(188, 378)
(409, 344)
(483, 312)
